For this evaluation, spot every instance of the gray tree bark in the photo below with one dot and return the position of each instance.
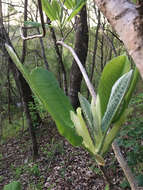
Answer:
(127, 20)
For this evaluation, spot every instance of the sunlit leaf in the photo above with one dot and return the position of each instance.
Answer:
(132, 86)
(76, 9)
(111, 73)
(96, 115)
(46, 88)
(86, 109)
(112, 134)
(49, 10)
(57, 9)
(69, 3)
(57, 104)
(122, 116)
(97, 124)
(82, 130)
(117, 94)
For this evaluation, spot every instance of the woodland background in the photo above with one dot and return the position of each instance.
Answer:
(31, 150)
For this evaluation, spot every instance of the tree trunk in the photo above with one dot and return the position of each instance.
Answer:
(43, 52)
(9, 95)
(22, 86)
(95, 45)
(32, 123)
(81, 49)
(127, 20)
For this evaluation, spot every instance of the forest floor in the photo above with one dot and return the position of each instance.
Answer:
(59, 166)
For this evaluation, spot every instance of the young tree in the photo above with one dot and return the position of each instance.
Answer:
(81, 48)
(22, 85)
(127, 20)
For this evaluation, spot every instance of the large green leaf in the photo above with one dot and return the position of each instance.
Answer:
(112, 134)
(15, 185)
(82, 130)
(85, 105)
(50, 11)
(111, 73)
(122, 116)
(69, 3)
(132, 86)
(19, 65)
(98, 135)
(57, 9)
(117, 94)
(46, 88)
(128, 95)
(58, 105)
(77, 8)
(86, 109)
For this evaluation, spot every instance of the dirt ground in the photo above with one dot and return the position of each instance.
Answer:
(59, 166)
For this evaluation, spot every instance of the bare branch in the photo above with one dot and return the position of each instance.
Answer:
(108, 39)
(124, 166)
(42, 23)
(83, 71)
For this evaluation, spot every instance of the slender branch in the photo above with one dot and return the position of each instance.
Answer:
(105, 176)
(95, 45)
(114, 35)
(43, 51)
(83, 71)
(59, 58)
(108, 40)
(42, 23)
(124, 166)
(24, 45)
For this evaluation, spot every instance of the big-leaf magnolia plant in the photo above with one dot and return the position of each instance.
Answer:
(60, 12)
(55, 10)
(93, 126)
